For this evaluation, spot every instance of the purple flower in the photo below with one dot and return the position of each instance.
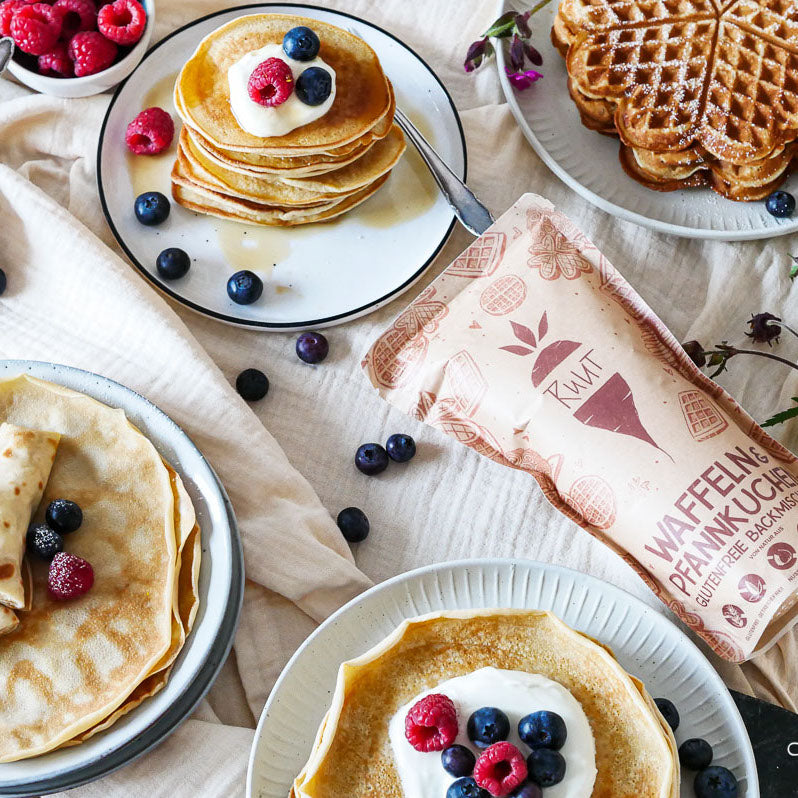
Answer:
(477, 53)
(517, 54)
(522, 79)
(532, 54)
(522, 24)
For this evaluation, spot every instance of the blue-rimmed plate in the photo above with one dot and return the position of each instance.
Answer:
(314, 275)
(221, 593)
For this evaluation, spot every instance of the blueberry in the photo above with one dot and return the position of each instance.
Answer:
(353, 524)
(252, 384)
(668, 711)
(313, 86)
(466, 788)
(715, 782)
(779, 204)
(3, 282)
(371, 459)
(400, 448)
(312, 347)
(458, 760)
(528, 790)
(244, 287)
(44, 542)
(543, 730)
(63, 516)
(546, 767)
(301, 44)
(151, 208)
(695, 754)
(486, 726)
(173, 263)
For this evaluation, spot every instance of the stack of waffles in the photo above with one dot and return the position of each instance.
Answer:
(700, 92)
(314, 173)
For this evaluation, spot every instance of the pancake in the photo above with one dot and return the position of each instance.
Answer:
(308, 191)
(69, 665)
(327, 160)
(257, 165)
(352, 755)
(195, 197)
(26, 457)
(202, 93)
(186, 603)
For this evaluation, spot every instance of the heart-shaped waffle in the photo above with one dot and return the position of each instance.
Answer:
(682, 74)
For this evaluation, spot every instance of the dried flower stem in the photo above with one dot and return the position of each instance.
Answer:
(730, 351)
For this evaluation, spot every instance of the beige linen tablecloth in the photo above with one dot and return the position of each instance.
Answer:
(73, 299)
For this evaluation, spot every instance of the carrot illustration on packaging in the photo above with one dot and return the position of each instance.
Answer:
(611, 407)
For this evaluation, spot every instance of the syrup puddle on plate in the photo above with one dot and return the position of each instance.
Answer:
(247, 246)
(406, 195)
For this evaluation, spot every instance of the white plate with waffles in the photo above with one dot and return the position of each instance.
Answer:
(645, 643)
(315, 275)
(588, 162)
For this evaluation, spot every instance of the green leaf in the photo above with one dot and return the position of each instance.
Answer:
(794, 269)
(784, 415)
(502, 27)
(720, 369)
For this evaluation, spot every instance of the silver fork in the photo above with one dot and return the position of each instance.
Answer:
(473, 215)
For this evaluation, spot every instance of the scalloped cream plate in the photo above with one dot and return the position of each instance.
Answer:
(221, 593)
(588, 163)
(646, 644)
(314, 275)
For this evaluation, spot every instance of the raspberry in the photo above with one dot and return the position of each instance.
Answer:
(431, 723)
(35, 28)
(69, 577)
(79, 15)
(122, 22)
(7, 10)
(91, 52)
(150, 132)
(271, 83)
(56, 63)
(500, 769)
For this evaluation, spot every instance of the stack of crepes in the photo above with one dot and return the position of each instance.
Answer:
(700, 92)
(70, 669)
(313, 173)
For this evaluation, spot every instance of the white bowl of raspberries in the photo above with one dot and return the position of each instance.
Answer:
(76, 48)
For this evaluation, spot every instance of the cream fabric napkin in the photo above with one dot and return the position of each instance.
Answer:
(72, 299)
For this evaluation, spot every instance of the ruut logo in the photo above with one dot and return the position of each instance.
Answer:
(596, 400)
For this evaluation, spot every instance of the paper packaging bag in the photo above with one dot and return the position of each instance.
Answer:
(534, 351)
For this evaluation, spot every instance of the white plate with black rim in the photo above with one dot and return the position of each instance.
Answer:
(221, 590)
(588, 163)
(314, 275)
(644, 641)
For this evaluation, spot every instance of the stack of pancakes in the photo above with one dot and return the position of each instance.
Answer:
(314, 173)
(700, 92)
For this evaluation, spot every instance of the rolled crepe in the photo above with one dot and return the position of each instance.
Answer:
(26, 457)
(8, 620)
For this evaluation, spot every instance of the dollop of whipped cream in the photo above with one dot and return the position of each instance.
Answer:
(260, 120)
(516, 693)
